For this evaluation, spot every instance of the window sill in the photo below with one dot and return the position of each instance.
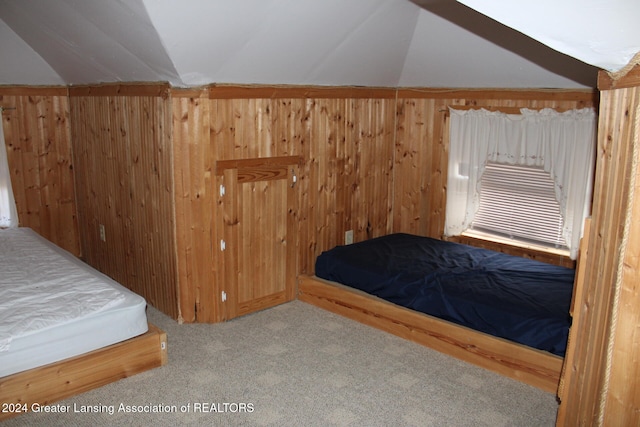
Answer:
(512, 242)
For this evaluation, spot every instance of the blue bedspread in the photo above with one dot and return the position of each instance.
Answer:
(506, 296)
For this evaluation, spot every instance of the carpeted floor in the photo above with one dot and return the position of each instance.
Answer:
(297, 365)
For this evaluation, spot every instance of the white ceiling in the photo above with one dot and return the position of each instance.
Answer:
(387, 43)
(605, 33)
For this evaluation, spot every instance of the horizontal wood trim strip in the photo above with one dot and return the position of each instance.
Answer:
(267, 173)
(258, 162)
(129, 89)
(188, 92)
(34, 90)
(586, 95)
(548, 257)
(262, 303)
(531, 366)
(608, 82)
(251, 92)
(60, 380)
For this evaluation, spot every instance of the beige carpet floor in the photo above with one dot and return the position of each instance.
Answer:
(297, 365)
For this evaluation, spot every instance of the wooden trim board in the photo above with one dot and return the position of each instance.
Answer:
(531, 366)
(60, 380)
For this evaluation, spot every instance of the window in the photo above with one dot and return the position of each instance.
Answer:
(518, 203)
(560, 143)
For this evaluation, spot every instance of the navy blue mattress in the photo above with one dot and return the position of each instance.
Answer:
(519, 299)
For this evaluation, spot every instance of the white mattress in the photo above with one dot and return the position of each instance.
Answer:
(53, 306)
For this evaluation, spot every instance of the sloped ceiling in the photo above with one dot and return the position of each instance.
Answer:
(87, 41)
(453, 46)
(20, 64)
(389, 43)
(605, 33)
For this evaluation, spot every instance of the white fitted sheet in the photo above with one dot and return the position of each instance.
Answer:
(53, 306)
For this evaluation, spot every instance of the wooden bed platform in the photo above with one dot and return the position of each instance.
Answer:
(57, 381)
(535, 367)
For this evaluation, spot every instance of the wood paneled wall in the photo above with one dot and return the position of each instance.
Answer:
(603, 377)
(36, 131)
(194, 206)
(345, 138)
(373, 161)
(124, 182)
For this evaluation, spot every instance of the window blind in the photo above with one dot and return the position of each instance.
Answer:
(519, 202)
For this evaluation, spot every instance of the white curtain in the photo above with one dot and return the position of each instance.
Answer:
(8, 211)
(561, 143)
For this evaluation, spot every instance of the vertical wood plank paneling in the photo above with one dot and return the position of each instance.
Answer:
(124, 173)
(601, 387)
(293, 253)
(37, 137)
(262, 221)
(439, 167)
(349, 172)
(621, 400)
(411, 165)
(229, 219)
(622, 405)
(346, 144)
(194, 204)
(371, 163)
(29, 164)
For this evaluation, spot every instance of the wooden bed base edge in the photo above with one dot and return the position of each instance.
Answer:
(69, 377)
(531, 366)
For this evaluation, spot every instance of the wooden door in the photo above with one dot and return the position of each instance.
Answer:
(258, 233)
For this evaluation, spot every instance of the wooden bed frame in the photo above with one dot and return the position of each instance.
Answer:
(57, 381)
(535, 367)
